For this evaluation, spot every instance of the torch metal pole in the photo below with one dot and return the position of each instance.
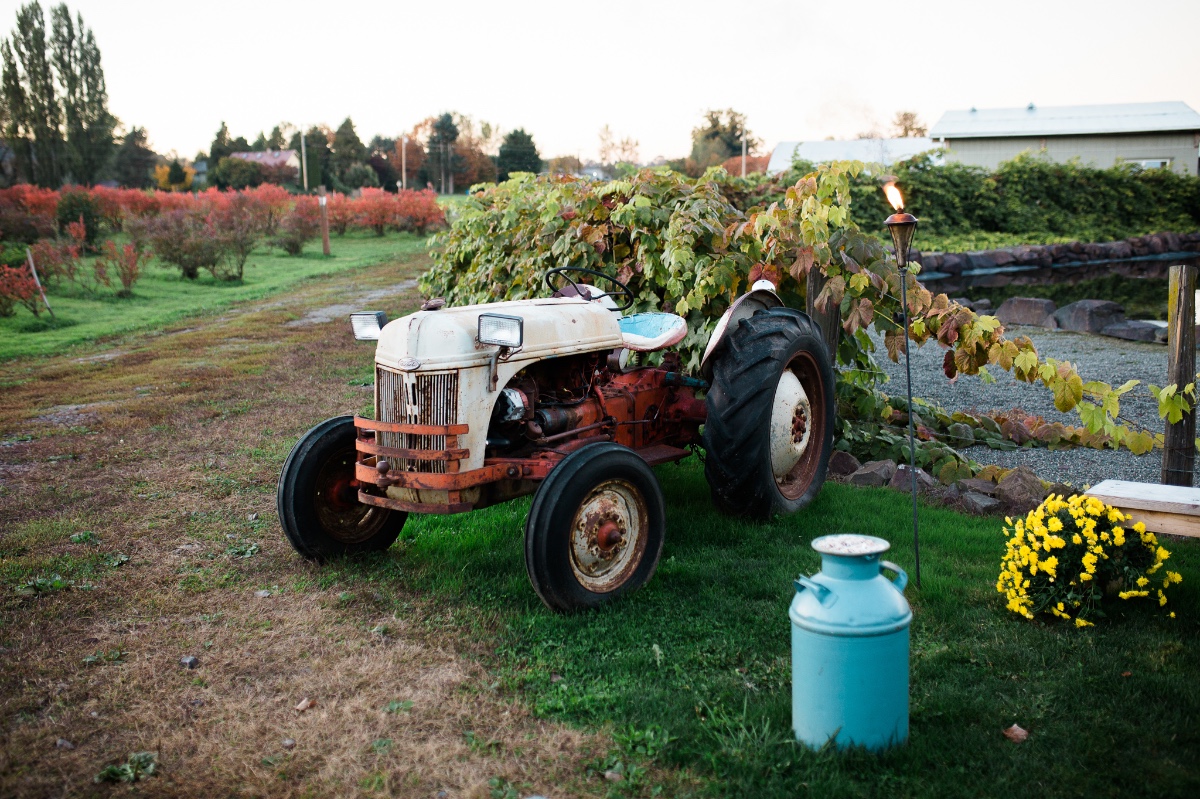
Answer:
(902, 226)
(912, 441)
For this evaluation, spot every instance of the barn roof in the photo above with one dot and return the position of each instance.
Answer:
(1065, 120)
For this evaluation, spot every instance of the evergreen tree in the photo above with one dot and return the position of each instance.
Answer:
(35, 116)
(348, 149)
(240, 145)
(260, 144)
(441, 161)
(175, 174)
(221, 146)
(134, 160)
(88, 124)
(276, 141)
(316, 145)
(518, 153)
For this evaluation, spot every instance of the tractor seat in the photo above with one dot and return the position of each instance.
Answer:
(647, 332)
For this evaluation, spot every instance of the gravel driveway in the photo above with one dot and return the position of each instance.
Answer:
(1102, 358)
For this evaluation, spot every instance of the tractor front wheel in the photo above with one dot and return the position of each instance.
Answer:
(318, 497)
(769, 432)
(595, 529)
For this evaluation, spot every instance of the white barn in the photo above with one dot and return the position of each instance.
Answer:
(1149, 134)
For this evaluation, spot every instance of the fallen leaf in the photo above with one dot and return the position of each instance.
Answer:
(1127, 674)
(613, 776)
(1016, 734)
(305, 704)
(555, 677)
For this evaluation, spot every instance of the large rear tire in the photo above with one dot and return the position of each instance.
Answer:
(318, 502)
(595, 529)
(769, 432)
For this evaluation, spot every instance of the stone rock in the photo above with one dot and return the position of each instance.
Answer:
(874, 473)
(289, 743)
(1025, 310)
(963, 301)
(902, 481)
(981, 259)
(950, 494)
(1050, 323)
(1120, 250)
(932, 261)
(985, 487)
(1062, 489)
(974, 502)
(189, 662)
(1003, 257)
(63, 743)
(1089, 316)
(981, 306)
(263, 594)
(1132, 330)
(843, 463)
(1021, 490)
(953, 263)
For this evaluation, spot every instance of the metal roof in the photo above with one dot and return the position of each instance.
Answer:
(1065, 120)
(880, 151)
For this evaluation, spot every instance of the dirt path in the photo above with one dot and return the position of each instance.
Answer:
(164, 450)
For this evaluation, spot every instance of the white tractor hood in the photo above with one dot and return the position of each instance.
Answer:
(445, 339)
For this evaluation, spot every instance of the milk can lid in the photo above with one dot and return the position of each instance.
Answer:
(850, 545)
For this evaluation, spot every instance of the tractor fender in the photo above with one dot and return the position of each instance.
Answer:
(760, 297)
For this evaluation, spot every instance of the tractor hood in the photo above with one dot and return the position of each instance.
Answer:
(446, 338)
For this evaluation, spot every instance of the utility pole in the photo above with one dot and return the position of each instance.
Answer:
(304, 160)
(743, 151)
(404, 162)
(1179, 439)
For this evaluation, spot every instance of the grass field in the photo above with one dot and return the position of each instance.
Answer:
(162, 297)
(146, 482)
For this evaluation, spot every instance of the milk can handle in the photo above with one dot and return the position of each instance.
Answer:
(821, 591)
(901, 576)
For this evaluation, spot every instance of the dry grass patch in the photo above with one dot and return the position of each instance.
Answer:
(145, 481)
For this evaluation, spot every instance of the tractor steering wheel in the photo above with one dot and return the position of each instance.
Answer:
(562, 271)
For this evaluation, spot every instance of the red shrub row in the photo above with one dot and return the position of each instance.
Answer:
(375, 209)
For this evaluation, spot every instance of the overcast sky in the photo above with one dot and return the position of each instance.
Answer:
(649, 69)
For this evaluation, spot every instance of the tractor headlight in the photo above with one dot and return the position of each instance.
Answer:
(503, 331)
(367, 325)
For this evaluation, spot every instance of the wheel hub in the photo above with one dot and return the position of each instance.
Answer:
(791, 425)
(608, 535)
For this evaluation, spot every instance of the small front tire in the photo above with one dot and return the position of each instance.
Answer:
(595, 529)
(318, 502)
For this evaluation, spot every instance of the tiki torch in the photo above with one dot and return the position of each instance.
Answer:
(902, 226)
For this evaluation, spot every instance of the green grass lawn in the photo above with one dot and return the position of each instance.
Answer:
(703, 653)
(162, 297)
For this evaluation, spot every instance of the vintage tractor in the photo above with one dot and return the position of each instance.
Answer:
(480, 404)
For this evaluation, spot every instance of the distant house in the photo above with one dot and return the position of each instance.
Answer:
(1149, 134)
(201, 177)
(879, 151)
(272, 159)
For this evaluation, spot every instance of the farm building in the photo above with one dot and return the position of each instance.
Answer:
(1152, 135)
(271, 158)
(879, 151)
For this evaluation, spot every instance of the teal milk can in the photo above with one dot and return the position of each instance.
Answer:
(850, 647)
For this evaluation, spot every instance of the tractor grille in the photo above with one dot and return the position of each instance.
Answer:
(415, 399)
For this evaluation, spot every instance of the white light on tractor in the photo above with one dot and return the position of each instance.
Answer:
(503, 331)
(367, 324)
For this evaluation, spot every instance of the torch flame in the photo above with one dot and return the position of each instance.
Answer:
(893, 195)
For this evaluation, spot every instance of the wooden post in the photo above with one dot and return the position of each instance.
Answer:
(37, 282)
(1179, 450)
(323, 200)
(830, 319)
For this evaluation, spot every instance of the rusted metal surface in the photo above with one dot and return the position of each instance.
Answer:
(608, 536)
(811, 427)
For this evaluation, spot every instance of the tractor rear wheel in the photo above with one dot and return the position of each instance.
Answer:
(595, 530)
(769, 432)
(318, 502)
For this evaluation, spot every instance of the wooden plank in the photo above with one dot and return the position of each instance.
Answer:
(1180, 500)
(1158, 522)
